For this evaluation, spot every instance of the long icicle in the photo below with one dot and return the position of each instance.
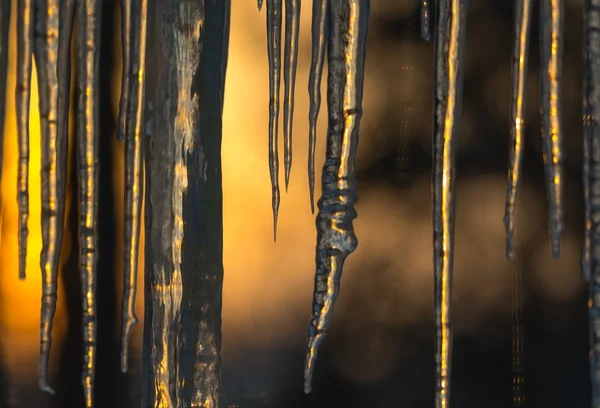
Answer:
(517, 123)
(426, 19)
(46, 54)
(591, 115)
(22, 100)
(551, 40)
(133, 174)
(450, 50)
(588, 130)
(126, 40)
(274, 20)
(292, 31)
(4, 34)
(320, 33)
(335, 234)
(88, 46)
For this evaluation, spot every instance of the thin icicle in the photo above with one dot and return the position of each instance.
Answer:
(133, 173)
(274, 54)
(88, 47)
(450, 49)
(426, 20)
(260, 3)
(4, 32)
(292, 31)
(591, 14)
(22, 100)
(518, 343)
(335, 234)
(67, 18)
(320, 33)
(551, 40)
(46, 54)
(517, 124)
(126, 39)
(591, 112)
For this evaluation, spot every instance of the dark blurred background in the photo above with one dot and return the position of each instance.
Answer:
(379, 352)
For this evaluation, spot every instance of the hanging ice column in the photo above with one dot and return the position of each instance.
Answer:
(184, 234)
(349, 21)
(449, 67)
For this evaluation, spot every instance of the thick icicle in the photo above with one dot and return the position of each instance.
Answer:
(320, 33)
(426, 19)
(4, 32)
(450, 51)
(126, 39)
(292, 31)
(184, 273)
(551, 40)
(88, 136)
(591, 114)
(133, 173)
(335, 234)
(517, 123)
(274, 20)
(22, 100)
(46, 55)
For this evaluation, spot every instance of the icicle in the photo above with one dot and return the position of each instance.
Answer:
(517, 124)
(425, 20)
(551, 39)
(260, 3)
(589, 125)
(133, 173)
(335, 234)
(591, 112)
(126, 38)
(88, 46)
(292, 31)
(46, 54)
(67, 17)
(23, 94)
(4, 32)
(320, 33)
(184, 274)
(274, 54)
(450, 50)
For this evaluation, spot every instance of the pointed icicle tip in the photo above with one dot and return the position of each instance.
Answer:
(43, 384)
(260, 3)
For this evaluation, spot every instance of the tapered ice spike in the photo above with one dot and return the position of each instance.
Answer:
(260, 3)
(274, 21)
(88, 136)
(426, 19)
(517, 123)
(126, 39)
(53, 194)
(449, 67)
(134, 186)
(4, 34)
(292, 31)
(22, 100)
(320, 34)
(335, 234)
(551, 40)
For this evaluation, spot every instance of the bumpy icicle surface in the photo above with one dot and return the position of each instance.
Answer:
(517, 123)
(88, 56)
(23, 96)
(46, 54)
(551, 39)
(449, 50)
(426, 19)
(320, 33)
(592, 151)
(292, 31)
(4, 30)
(335, 234)
(184, 273)
(274, 20)
(126, 39)
(133, 174)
